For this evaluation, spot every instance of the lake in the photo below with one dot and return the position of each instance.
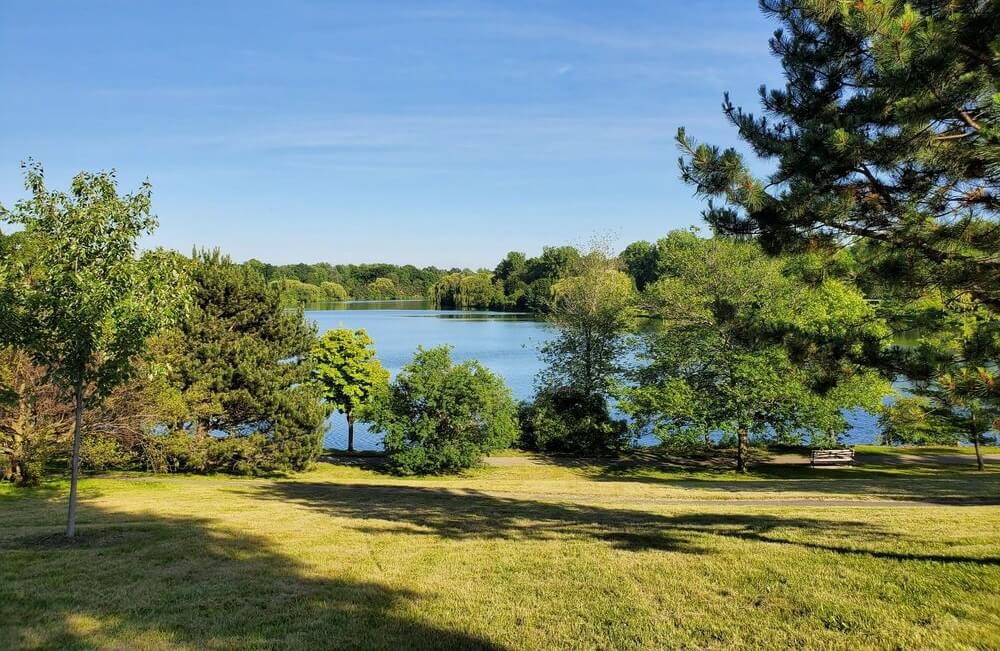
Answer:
(506, 343)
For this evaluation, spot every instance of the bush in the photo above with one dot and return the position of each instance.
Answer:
(182, 451)
(441, 417)
(106, 453)
(684, 443)
(565, 419)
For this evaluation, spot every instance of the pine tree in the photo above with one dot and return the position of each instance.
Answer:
(243, 364)
(887, 132)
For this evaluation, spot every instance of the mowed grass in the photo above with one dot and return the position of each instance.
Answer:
(533, 554)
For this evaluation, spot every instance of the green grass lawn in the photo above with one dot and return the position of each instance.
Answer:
(538, 554)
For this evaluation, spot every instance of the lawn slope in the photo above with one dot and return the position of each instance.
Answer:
(535, 554)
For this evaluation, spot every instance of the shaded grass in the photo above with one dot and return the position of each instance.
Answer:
(533, 556)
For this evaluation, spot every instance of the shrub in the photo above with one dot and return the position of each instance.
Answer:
(106, 453)
(564, 419)
(441, 417)
(182, 451)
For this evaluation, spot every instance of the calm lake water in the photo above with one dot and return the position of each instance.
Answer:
(505, 343)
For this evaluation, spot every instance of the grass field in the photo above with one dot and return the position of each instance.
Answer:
(529, 553)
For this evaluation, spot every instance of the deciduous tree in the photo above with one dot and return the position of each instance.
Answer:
(745, 349)
(440, 417)
(84, 304)
(348, 372)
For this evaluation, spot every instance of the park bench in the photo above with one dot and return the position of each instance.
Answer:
(832, 457)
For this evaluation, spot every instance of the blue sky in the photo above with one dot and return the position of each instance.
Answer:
(439, 133)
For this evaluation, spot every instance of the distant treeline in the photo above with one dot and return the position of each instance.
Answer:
(516, 283)
(322, 282)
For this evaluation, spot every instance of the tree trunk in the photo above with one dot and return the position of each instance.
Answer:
(979, 453)
(742, 446)
(350, 432)
(75, 463)
(975, 438)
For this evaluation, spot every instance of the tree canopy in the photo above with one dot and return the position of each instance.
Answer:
(439, 416)
(242, 362)
(745, 348)
(887, 131)
(348, 372)
(78, 300)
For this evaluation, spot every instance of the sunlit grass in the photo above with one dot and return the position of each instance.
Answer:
(537, 554)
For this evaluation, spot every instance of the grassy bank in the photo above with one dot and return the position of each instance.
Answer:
(528, 553)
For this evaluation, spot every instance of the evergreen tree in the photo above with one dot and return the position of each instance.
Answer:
(887, 132)
(243, 363)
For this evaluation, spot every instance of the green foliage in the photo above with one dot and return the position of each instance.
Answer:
(564, 419)
(105, 453)
(744, 348)
(382, 288)
(592, 310)
(441, 417)
(465, 291)
(908, 421)
(296, 293)
(951, 360)
(348, 373)
(190, 452)
(887, 132)
(333, 291)
(639, 260)
(343, 281)
(82, 305)
(517, 283)
(242, 364)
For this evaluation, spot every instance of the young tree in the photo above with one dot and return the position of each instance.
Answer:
(887, 131)
(84, 304)
(951, 365)
(967, 401)
(592, 310)
(745, 349)
(440, 417)
(348, 372)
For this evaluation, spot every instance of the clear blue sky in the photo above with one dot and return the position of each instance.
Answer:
(439, 133)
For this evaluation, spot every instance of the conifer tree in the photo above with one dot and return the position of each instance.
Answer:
(887, 131)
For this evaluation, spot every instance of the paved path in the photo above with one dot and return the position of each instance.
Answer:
(785, 459)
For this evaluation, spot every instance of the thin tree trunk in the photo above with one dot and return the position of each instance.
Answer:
(75, 463)
(975, 439)
(742, 446)
(350, 432)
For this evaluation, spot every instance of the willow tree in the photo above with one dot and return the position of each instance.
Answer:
(83, 302)
(887, 132)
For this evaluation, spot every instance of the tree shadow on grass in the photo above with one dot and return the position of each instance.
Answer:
(469, 514)
(946, 484)
(142, 580)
